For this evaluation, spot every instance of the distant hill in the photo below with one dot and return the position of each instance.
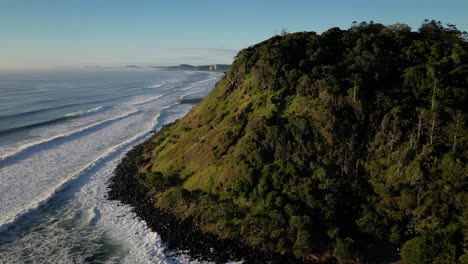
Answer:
(184, 67)
(188, 67)
(348, 146)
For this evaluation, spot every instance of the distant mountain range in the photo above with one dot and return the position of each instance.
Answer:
(188, 67)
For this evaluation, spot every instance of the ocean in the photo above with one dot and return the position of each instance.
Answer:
(62, 133)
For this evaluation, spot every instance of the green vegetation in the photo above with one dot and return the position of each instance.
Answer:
(346, 143)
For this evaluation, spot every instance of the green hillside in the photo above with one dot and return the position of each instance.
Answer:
(350, 144)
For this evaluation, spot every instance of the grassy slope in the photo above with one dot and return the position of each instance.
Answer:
(205, 152)
(302, 165)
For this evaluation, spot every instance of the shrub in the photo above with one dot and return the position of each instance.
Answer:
(344, 249)
(413, 251)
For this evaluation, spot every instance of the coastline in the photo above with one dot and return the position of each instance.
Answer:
(180, 234)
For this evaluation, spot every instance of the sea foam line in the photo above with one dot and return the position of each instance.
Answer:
(36, 111)
(51, 121)
(80, 113)
(148, 100)
(41, 110)
(64, 183)
(27, 146)
(158, 85)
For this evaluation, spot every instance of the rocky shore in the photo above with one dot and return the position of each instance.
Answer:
(180, 234)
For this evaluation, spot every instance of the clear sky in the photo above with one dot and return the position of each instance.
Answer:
(75, 33)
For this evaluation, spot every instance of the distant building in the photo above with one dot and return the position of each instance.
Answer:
(214, 67)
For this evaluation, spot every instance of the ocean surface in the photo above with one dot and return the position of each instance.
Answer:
(62, 133)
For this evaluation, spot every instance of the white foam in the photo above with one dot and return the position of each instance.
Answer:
(45, 196)
(158, 85)
(144, 245)
(18, 149)
(89, 159)
(80, 113)
(109, 218)
(147, 100)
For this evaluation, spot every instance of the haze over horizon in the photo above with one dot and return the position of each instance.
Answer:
(51, 34)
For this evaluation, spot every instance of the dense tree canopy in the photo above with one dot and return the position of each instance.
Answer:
(350, 143)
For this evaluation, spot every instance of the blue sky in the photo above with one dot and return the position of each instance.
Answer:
(75, 33)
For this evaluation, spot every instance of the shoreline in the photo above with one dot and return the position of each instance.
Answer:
(179, 234)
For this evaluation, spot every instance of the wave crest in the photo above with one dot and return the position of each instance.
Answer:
(158, 85)
(50, 121)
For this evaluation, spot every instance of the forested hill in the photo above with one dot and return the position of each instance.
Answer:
(348, 144)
